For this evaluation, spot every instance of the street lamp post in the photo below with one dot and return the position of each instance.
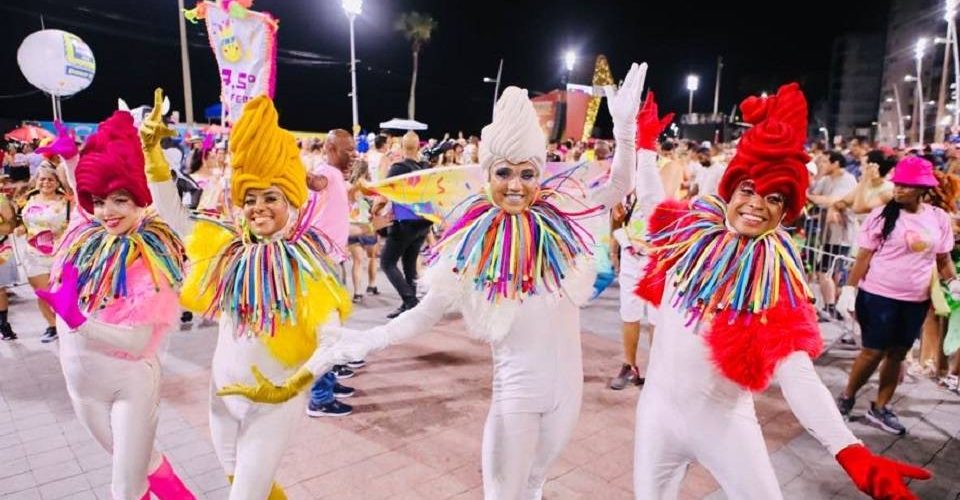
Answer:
(901, 137)
(569, 60)
(496, 81)
(951, 17)
(920, 48)
(560, 123)
(185, 68)
(353, 8)
(693, 83)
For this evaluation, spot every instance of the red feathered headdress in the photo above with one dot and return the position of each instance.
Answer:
(771, 153)
(112, 160)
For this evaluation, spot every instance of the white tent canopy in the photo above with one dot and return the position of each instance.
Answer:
(402, 124)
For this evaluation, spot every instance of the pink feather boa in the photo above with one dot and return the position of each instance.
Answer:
(146, 303)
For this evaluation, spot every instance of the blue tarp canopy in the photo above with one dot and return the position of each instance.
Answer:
(213, 112)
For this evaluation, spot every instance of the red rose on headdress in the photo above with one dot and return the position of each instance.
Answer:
(771, 153)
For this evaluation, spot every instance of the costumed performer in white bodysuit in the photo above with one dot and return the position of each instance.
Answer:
(114, 288)
(736, 313)
(518, 267)
(267, 279)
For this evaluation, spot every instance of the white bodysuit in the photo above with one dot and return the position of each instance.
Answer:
(112, 374)
(537, 361)
(689, 412)
(248, 437)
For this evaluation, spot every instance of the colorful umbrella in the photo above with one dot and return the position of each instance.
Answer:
(28, 133)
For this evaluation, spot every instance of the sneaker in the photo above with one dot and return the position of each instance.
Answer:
(822, 316)
(951, 383)
(372, 290)
(342, 391)
(845, 405)
(628, 375)
(49, 335)
(7, 331)
(355, 365)
(357, 298)
(886, 419)
(331, 409)
(400, 310)
(341, 371)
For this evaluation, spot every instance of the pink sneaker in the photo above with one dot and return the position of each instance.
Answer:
(165, 484)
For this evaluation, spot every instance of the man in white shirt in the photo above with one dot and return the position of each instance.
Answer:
(375, 158)
(840, 228)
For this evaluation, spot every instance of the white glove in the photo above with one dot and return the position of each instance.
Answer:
(352, 345)
(954, 287)
(846, 304)
(625, 102)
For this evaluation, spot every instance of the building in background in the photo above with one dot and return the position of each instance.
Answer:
(907, 21)
(856, 70)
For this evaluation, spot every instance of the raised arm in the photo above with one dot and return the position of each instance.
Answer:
(649, 184)
(623, 105)
(163, 188)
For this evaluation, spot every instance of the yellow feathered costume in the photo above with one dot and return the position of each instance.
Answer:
(281, 290)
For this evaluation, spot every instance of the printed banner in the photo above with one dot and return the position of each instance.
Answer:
(244, 43)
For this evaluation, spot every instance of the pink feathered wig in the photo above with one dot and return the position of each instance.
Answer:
(112, 160)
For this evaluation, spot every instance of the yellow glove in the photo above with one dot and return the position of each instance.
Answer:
(266, 392)
(152, 130)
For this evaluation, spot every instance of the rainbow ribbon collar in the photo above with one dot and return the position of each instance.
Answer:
(716, 269)
(102, 259)
(513, 256)
(259, 282)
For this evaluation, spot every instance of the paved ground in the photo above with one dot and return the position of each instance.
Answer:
(419, 416)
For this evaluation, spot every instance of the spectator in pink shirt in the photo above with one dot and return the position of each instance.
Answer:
(902, 245)
(327, 179)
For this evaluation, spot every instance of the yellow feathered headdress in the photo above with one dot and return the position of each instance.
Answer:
(264, 155)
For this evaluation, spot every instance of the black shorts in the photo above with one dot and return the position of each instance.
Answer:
(887, 323)
(830, 253)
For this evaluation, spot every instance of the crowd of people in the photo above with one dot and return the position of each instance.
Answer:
(720, 250)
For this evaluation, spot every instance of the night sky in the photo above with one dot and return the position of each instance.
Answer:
(136, 45)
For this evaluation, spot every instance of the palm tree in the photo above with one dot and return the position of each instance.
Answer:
(417, 28)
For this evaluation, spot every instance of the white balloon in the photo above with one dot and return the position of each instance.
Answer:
(56, 62)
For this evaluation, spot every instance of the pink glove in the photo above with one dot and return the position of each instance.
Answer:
(65, 300)
(64, 145)
(877, 476)
(649, 127)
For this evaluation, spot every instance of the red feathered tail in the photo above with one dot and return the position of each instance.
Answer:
(748, 350)
(651, 284)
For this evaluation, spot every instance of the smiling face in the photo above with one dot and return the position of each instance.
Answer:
(267, 210)
(514, 186)
(47, 182)
(117, 212)
(752, 214)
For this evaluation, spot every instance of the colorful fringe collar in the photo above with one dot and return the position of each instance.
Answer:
(512, 256)
(718, 269)
(102, 259)
(258, 282)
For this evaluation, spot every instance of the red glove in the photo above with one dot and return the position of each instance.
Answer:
(64, 145)
(878, 476)
(649, 127)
